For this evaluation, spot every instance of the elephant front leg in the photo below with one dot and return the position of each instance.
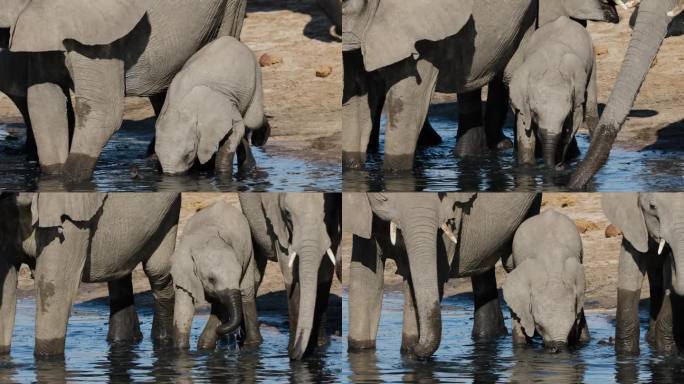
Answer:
(366, 274)
(123, 320)
(250, 323)
(630, 278)
(246, 162)
(663, 333)
(8, 305)
(471, 139)
(99, 88)
(495, 115)
(489, 322)
(409, 333)
(48, 109)
(519, 337)
(209, 337)
(357, 110)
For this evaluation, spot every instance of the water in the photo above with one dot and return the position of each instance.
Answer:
(437, 169)
(89, 358)
(458, 359)
(125, 155)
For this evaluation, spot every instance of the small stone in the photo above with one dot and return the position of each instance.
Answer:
(267, 60)
(585, 225)
(323, 71)
(599, 51)
(612, 230)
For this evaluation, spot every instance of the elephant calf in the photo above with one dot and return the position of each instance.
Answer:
(548, 91)
(210, 103)
(214, 261)
(545, 289)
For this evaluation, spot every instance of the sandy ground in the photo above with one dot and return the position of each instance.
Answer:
(304, 110)
(600, 253)
(657, 118)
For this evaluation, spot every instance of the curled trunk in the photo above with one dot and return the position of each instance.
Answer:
(309, 263)
(231, 299)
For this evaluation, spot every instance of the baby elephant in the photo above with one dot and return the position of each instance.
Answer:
(214, 261)
(545, 289)
(553, 91)
(210, 103)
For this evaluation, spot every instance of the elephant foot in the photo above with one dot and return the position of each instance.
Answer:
(627, 323)
(124, 326)
(488, 324)
(398, 163)
(181, 341)
(472, 143)
(78, 167)
(5, 349)
(209, 337)
(49, 348)
(51, 169)
(353, 160)
(359, 345)
(408, 342)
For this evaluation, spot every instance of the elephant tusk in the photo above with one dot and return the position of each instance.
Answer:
(661, 246)
(331, 255)
(676, 11)
(291, 259)
(393, 233)
(620, 3)
(449, 234)
(632, 3)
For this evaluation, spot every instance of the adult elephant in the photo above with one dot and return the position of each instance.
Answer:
(110, 49)
(650, 29)
(431, 237)
(89, 237)
(652, 226)
(448, 46)
(300, 232)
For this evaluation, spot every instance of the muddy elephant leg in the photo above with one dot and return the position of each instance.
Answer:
(157, 102)
(245, 158)
(409, 333)
(357, 111)
(663, 336)
(209, 337)
(99, 88)
(657, 293)
(488, 323)
(320, 315)
(630, 278)
(408, 100)
(124, 326)
(519, 337)
(48, 113)
(8, 305)
(471, 139)
(584, 335)
(365, 293)
(250, 323)
(58, 273)
(495, 115)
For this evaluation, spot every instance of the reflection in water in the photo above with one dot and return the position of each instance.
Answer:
(437, 169)
(123, 167)
(89, 358)
(459, 359)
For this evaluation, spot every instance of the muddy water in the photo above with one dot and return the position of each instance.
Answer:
(123, 166)
(89, 358)
(437, 169)
(458, 359)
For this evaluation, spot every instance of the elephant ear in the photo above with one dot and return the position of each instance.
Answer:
(395, 26)
(184, 275)
(623, 210)
(573, 276)
(517, 292)
(44, 25)
(271, 203)
(9, 12)
(216, 118)
(51, 209)
(519, 100)
(357, 216)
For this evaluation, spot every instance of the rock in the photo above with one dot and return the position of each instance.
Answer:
(612, 230)
(267, 60)
(599, 51)
(323, 71)
(585, 225)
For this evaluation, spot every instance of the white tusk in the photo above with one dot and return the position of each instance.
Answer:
(620, 3)
(676, 11)
(291, 259)
(331, 255)
(449, 234)
(393, 233)
(661, 246)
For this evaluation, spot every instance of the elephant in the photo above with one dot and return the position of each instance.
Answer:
(89, 237)
(214, 261)
(333, 9)
(652, 243)
(431, 237)
(107, 50)
(545, 285)
(553, 91)
(210, 105)
(300, 232)
(651, 27)
(447, 46)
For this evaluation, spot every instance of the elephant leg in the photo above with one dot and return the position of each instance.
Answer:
(48, 113)
(519, 337)
(657, 293)
(376, 102)
(357, 111)
(223, 162)
(320, 316)
(99, 88)
(408, 100)
(409, 333)
(58, 274)
(630, 278)
(584, 335)
(663, 336)
(124, 326)
(489, 322)
(495, 115)
(250, 323)
(471, 139)
(8, 305)
(245, 158)
(365, 293)
(428, 136)
(157, 102)
(209, 337)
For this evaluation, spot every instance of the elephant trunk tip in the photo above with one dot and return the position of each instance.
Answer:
(556, 346)
(300, 344)
(231, 299)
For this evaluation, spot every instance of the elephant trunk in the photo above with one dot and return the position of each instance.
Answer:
(421, 246)
(550, 148)
(649, 32)
(231, 299)
(556, 346)
(677, 246)
(310, 256)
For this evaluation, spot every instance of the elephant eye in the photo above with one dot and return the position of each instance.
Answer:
(211, 280)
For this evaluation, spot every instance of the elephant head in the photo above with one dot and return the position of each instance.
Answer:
(582, 10)
(655, 216)
(545, 291)
(298, 221)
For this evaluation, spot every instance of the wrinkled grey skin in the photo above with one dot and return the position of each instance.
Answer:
(468, 53)
(650, 29)
(209, 107)
(545, 285)
(109, 50)
(89, 237)
(646, 219)
(553, 91)
(214, 262)
(308, 224)
(484, 225)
